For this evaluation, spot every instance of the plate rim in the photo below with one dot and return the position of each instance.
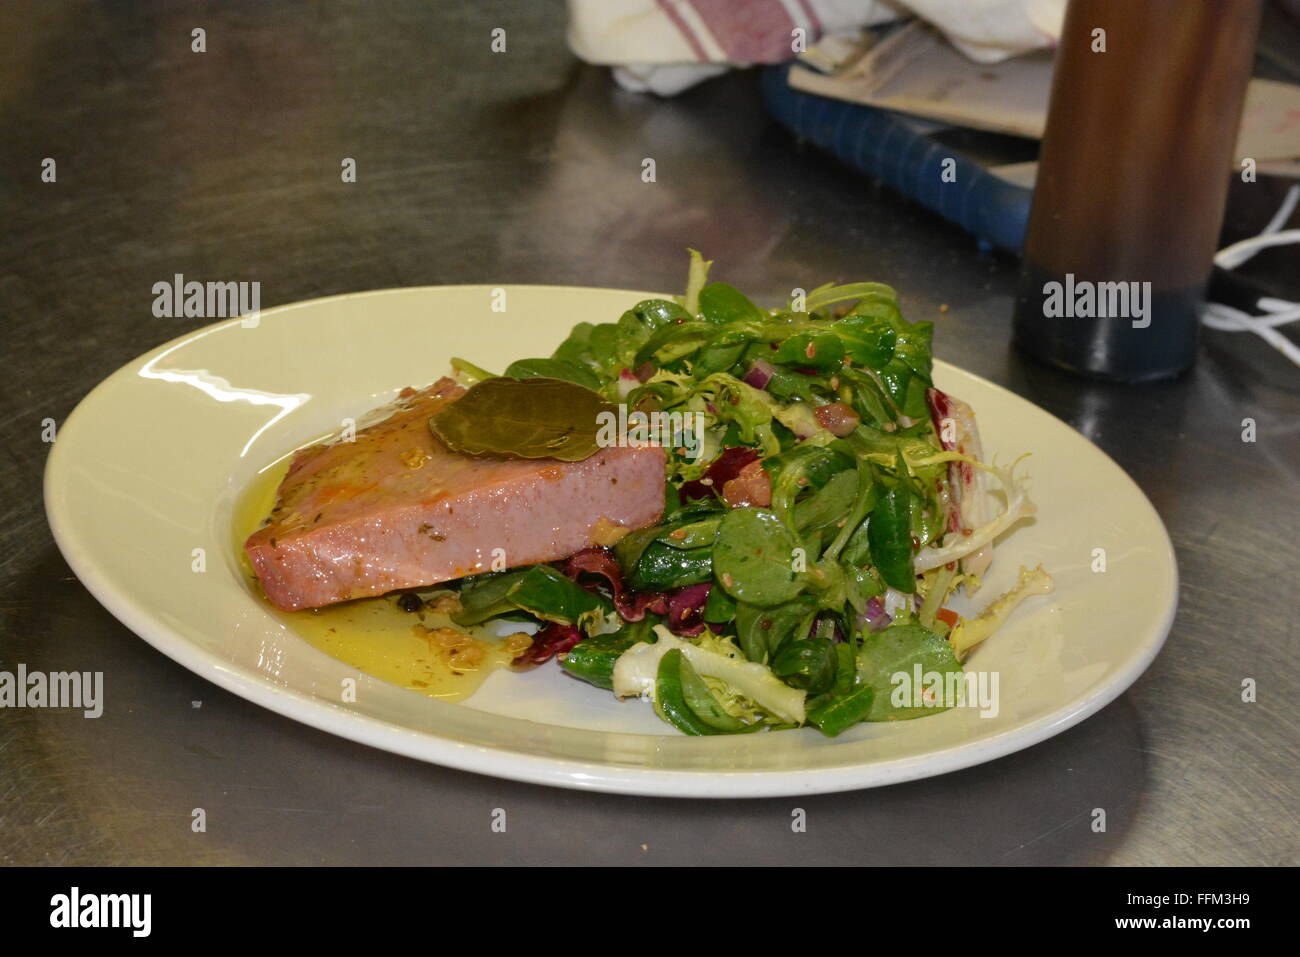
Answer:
(501, 762)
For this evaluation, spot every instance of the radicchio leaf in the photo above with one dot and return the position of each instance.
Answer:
(686, 609)
(631, 605)
(552, 640)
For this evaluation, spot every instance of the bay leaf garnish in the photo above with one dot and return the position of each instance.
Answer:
(535, 418)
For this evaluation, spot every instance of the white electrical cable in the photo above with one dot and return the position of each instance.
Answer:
(1271, 322)
(1279, 312)
(1284, 212)
(1230, 257)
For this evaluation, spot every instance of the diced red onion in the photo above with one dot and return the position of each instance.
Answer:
(876, 617)
(760, 374)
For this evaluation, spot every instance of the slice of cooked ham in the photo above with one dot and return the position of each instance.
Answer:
(396, 509)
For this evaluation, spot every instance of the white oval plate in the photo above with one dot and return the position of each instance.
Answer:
(150, 464)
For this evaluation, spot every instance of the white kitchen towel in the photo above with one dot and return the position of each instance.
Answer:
(665, 46)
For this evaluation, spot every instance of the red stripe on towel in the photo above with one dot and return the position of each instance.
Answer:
(813, 22)
(669, 7)
(758, 31)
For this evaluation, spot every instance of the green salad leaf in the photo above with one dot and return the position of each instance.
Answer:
(755, 557)
(817, 488)
(552, 369)
(890, 663)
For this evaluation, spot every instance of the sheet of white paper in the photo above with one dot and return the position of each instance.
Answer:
(915, 71)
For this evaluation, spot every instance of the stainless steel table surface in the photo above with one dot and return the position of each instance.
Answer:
(524, 167)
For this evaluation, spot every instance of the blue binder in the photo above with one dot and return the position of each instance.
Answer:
(880, 144)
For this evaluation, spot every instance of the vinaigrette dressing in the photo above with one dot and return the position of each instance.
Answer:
(422, 651)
